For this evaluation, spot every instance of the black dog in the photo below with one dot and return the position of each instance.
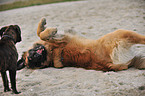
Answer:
(10, 35)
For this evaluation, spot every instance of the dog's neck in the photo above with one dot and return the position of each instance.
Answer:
(7, 36)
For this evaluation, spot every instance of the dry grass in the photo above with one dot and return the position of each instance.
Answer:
(19, 4)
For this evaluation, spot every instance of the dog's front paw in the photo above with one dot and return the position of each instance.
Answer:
(43, 21)
(16, 92)
(48, 34)
(7, 89)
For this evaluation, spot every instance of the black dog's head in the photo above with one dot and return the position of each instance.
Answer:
(12, 31)
(33, 58)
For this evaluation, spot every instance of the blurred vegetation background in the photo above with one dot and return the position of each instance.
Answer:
(12, 4)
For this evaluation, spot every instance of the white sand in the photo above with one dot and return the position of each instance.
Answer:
(92, 19)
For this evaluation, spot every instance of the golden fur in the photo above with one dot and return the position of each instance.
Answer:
(102, 54)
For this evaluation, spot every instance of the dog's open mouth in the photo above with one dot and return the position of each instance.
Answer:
(39, 51)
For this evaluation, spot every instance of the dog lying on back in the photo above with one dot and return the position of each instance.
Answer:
(10, 35)
(106, 53)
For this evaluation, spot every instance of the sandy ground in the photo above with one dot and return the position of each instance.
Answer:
(92, 19)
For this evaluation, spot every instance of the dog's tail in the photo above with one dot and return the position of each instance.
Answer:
(138, 62)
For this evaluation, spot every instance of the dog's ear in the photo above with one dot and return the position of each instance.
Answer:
(3, 30)
(24, 55)
(21, 62)
(18, 30)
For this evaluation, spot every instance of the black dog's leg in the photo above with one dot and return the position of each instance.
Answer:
(5, 81)
(13, 80)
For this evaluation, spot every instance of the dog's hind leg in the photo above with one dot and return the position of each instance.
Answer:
(108, 67)
(5, 81)
(133, 37)
(13, 80)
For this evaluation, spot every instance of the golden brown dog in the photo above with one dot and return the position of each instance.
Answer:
(106, 53)
(10, 35)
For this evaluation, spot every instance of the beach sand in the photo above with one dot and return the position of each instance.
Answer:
(91, 19)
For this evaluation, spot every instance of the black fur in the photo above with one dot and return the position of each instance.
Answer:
(34, 59)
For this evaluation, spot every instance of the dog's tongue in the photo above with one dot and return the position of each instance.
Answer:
(39, 51)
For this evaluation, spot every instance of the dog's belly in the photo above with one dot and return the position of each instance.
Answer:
(125, 52)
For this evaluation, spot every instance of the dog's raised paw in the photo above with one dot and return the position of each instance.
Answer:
(43, 21)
